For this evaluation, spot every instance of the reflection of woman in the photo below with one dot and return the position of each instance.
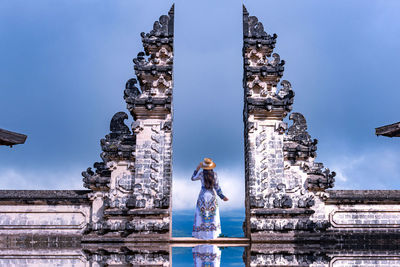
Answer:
(206, 220)
(206, 255)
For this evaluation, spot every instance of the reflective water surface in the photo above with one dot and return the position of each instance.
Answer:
(27, 253)
(207, 255)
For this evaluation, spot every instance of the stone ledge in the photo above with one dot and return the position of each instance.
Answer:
(48, 197)
(138, 212)
(278, 212)
(225, 241)
(132, 238)
(363, 197)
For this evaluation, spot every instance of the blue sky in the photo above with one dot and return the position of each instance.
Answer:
(64, 64)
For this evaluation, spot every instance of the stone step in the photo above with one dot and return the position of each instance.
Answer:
(221, 241)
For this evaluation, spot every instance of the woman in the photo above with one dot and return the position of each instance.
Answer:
(206, 220)
(206, 255)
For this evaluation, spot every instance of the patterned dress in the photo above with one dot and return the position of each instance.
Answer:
(206, 256)
(206, 219)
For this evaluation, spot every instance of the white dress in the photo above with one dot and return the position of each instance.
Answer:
(206, 255)
(207, 224)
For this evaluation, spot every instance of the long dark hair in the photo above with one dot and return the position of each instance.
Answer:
(209, 178)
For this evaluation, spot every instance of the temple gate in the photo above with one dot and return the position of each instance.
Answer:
(292, 218)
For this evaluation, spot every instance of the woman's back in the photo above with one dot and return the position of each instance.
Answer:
(207, 220)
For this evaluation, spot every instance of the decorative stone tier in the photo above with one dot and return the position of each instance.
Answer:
(64, 251)
(383, 253)
(46, 197)
(363, 197)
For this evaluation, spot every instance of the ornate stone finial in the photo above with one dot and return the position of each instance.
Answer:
(279, 103)
(298, 130)
(262, 74)
(319, 179)
(131, 92)
(117, 125)
(298, 144)
(153, 69)
(118, 145)
(254, 33)
(164, 27)
(98, 180)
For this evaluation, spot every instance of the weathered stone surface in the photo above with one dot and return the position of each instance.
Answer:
(322, 254)
(363, 197)
(133, 182)
(64, 251)
(43, 219)
(285, 187)
(153, 69)
(279, 161)
(47, 197)
(129, 256)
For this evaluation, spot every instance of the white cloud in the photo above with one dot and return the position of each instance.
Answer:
(185, 191)
(40, 179)
(371, 169)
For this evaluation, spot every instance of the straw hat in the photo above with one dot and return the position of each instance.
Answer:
(208, 164)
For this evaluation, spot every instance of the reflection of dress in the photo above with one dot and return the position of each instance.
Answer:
(206, 219)
(206, 255)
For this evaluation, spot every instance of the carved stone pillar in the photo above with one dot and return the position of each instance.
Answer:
(280, 172)
(151, 107)
(132, 186)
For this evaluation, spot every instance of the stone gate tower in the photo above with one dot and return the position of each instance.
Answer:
(281, 177)
(132, 185)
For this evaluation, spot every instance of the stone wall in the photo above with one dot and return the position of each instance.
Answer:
(320, 255)
(66, 252)
(57, 212)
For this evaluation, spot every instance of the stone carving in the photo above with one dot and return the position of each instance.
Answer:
(299, 147)
(117, 145)
(306, 203)
(120, 143)
(98, 180)
(127, 256)
(135, 174)
(284, 202)
(261, 74)
(298, 143)
(289, 258)
(131, 92)
(318, 179)
(277, 223)
(281, 175)
(253, 32)
(153, 68)
(126, 227)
